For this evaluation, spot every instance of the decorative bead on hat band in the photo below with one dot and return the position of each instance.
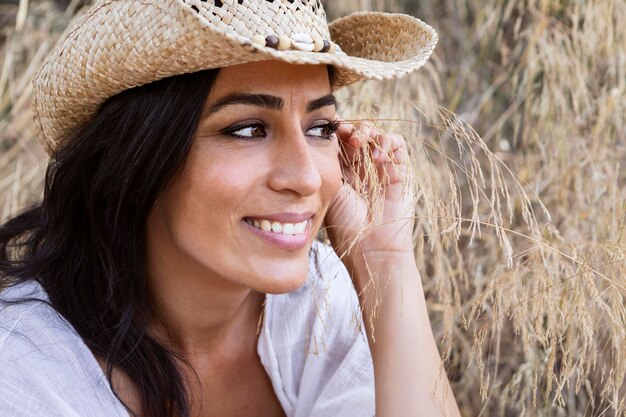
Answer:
(298, 41)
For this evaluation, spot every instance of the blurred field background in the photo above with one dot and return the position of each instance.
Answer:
(520, 220)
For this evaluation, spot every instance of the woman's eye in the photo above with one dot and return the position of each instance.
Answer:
(324, 131)
(257, 130)
(250, 131)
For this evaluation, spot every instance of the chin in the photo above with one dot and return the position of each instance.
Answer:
(281, 280)
(272, 274)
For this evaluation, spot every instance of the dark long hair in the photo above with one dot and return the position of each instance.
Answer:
(84, 243)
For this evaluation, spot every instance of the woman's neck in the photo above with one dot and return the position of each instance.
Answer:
(196, 312)
(204, 322)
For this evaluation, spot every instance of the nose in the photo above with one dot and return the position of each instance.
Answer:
(294, 167)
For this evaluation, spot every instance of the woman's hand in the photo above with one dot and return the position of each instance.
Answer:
(408, 375)
(351, 223)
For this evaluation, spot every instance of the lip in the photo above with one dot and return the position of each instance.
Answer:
(278, 240)
(285, 217)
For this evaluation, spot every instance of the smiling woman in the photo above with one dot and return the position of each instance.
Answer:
(252, 160)
(171, 268)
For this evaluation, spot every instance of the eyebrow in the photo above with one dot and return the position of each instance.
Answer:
(261, 100)
(268, 101)
(327, 100)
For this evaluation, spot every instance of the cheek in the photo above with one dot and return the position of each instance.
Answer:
(330, 172)
(225, 183)
(206, 197)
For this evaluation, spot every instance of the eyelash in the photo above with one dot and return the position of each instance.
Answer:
(331, 127)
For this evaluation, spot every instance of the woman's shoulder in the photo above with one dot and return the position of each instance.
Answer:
(27, 318)
(45, 368)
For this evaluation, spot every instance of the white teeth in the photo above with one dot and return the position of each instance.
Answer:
(298, 228)
(266, 225)
(288, 229)
(278, 227)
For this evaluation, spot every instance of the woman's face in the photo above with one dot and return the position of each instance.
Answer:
(260, 175)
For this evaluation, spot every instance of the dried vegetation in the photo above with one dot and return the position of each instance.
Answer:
(518, 133)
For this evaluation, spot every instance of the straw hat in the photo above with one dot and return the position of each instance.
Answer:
(120, 44)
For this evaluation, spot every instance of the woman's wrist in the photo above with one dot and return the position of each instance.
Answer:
(372, 267)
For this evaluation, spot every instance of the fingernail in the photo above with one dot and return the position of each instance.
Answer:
(376, 153)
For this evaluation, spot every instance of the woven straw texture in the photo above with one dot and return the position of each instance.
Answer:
(121, 44)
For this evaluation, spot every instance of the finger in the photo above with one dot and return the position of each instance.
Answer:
(390, 157)
(348, 142)
(345, 129)
(353, 134)
(391, 173)
(364, 133)
(393, 178)
(387, 145)
(353, 138)
(381, 146)
(400, 156)
(396, 141)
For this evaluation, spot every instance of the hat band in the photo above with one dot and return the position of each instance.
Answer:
(297, 41)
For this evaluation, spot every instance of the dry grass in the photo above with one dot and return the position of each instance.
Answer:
(529, 304)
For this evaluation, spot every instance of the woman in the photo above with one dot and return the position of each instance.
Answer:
(194, 159)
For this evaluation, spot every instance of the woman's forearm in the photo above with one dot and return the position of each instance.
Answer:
(408, 372)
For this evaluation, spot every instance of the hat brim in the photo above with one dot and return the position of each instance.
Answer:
(170, 39)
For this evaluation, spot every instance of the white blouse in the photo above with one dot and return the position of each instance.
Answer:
(312, 345)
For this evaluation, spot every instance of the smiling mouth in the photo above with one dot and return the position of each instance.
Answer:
(273, 226)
